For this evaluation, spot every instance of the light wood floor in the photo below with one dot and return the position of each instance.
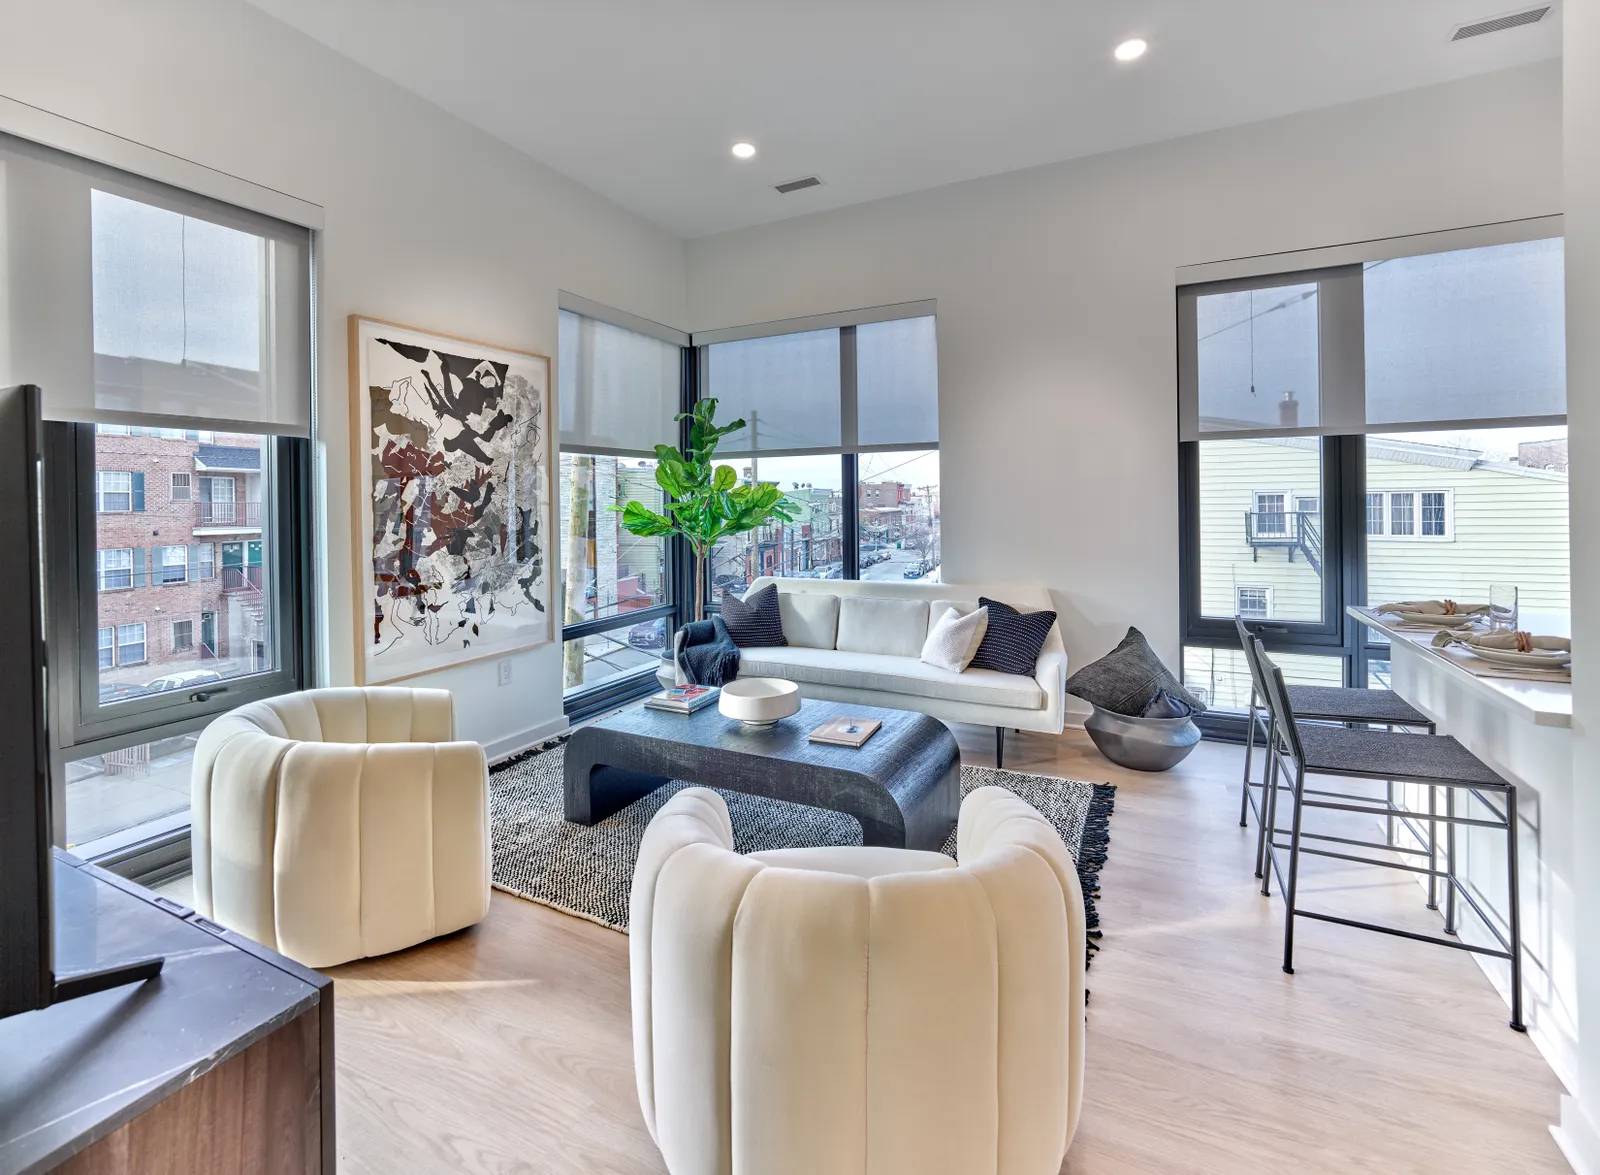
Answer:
(506, 1048)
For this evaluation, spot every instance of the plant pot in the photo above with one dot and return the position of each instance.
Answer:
(1144, 744)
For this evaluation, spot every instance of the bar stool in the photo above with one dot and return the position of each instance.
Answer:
(1431, 761)
(1318, 703)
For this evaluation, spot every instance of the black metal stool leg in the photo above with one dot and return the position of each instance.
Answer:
(1433, 848)
(1269, 812)
(1292, 882)
(999, 747)
(1249, 747)
(1389, 795)
(1514, 915)
(1450, 861)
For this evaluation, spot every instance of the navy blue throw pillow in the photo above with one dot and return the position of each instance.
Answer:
(1013, 640)
(754, 622)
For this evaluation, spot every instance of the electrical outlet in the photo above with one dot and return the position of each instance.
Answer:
(505, 673)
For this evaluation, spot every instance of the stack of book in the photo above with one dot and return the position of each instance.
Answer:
(683, 699)
(846, 732)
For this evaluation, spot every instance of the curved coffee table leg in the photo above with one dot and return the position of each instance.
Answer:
(593, 790)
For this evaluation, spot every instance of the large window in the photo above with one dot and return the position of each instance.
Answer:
(898, 515)
(140, 310)
(1383, 430)
(621, 385)
(1495, 513)
(843, 416)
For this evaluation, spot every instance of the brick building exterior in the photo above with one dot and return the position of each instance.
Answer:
(178, 563)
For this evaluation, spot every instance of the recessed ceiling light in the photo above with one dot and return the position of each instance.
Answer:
(1131, 50)
(744, 150)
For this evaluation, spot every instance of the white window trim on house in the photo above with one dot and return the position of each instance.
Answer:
(1416, 514)
(181, 563)
(1257, 511)
(1238, 602)
(188, 643)
(100, 569)
(102, 494)
(142, 643)
(186, 485)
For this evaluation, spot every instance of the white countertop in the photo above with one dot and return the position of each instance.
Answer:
(1544, 703)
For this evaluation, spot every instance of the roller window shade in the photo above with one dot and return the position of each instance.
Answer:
(125, 298)
(1458, 338)
(897, 383)
(784, 387)
(619, 389)
(1473, 334)
(861, 386)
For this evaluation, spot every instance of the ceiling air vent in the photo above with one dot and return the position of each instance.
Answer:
(1499, 24)
(798, 185)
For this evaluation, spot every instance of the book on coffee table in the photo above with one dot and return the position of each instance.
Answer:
(683, 699)
(845, 732)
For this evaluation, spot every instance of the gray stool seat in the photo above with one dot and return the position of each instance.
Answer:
(1331, 703)
(1416, 758)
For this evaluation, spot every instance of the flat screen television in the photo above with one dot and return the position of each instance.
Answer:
(27, 979)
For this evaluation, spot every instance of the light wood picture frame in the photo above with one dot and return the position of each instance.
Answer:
(452, 457)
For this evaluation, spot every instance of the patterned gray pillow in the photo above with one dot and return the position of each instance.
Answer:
(754, 622)
(1128, 678)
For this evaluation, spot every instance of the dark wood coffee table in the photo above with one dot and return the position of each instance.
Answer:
(904, 785)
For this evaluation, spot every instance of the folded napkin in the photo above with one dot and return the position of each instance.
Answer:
(1434, 608)
(1509, 642)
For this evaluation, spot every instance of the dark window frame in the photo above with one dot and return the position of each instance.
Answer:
(80, 725)
(587, 701)
(1344, 576)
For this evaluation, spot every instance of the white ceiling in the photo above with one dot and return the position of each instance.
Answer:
(641, 99)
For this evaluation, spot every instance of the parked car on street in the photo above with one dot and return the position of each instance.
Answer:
(186, 680)
(915, 571)
(646, 636)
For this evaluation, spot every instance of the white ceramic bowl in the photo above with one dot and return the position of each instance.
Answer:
(759, 701)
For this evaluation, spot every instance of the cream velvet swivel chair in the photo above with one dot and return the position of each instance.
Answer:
(338, 823)
(858, 1011)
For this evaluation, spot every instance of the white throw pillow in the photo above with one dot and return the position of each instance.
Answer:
(955, 639)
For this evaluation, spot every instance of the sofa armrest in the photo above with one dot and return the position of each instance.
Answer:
(1051, 674)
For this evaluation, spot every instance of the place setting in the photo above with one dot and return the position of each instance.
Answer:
(1485, 638)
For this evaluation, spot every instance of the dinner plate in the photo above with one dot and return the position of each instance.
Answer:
(1439, 618)
(1538, 659)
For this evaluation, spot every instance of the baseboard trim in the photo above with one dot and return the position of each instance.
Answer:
(524, 740)
(1575, 1137)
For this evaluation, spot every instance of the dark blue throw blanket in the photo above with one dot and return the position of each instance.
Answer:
(709, 655)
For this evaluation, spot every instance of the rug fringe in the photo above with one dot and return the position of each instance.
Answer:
(532, 752)
(1092, 854)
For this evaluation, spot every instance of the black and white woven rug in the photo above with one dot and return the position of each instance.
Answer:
(588, 870)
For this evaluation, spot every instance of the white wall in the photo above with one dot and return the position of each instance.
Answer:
(1057, 331)
(1579, 1133)
(428, 222)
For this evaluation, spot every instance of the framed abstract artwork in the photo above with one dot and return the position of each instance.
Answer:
(451, 458)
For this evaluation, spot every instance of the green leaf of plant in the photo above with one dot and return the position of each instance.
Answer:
(725, 478)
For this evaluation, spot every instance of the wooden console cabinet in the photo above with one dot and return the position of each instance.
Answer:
(222, 1065)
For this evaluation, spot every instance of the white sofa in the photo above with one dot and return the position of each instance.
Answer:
(338, 823)
(861, 641)
(867, 1010)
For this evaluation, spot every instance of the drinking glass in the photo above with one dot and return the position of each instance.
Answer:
(1502, 607)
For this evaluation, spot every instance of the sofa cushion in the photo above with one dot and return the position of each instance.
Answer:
(1013, 639)
(896, 675)
(877, 624)
(810, 619)
(754, 620)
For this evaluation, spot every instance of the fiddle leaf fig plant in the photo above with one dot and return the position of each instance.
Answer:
(704, 501)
